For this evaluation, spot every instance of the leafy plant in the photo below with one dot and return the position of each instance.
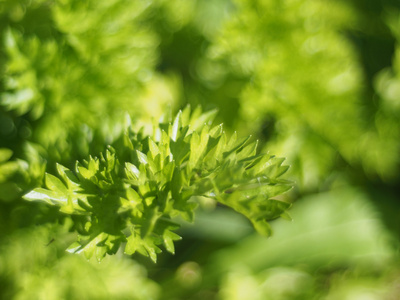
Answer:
(321, 120)
(312, 80)
(57, 58)
(132, 192)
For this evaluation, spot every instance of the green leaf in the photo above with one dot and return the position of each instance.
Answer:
(262, 227)
(154, 150)
(132, 171)
(142, 157)
(176, 126)
(69, 178)
(203, 119)
(216, 131)
(198, 145)
(5, 154)
(234, 147)
(168, 239)
(8, 169)
(47, 196)
(55, 184)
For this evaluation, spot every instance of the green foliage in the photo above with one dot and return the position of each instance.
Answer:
(16, 175)
(331, 231)
(387, 84)
(8, 189)
(45, 271)
(305, 89)
(76, 72)
(314, 81)
(133, 191)
(299, 64)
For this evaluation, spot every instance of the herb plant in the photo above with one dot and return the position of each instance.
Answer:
(133, 191)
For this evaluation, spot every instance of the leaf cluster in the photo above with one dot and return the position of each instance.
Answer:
(132, 192)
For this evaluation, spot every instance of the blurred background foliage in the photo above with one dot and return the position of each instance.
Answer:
(315, 81)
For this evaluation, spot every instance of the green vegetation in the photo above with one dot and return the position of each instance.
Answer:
(139, 187)
(104, 164)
